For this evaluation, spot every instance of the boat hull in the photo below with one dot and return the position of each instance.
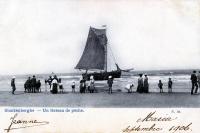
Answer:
(102, 75)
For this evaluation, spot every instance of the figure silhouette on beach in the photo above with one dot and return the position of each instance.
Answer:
(146, 84)
(110, 82)
(73, 87)
(170, 85)
(140, 84)
(33, 84)
(82, 85)
(160, 85)
(27, 85)
(91, 86)
(13, 85)
(194, 82)
(198, 78)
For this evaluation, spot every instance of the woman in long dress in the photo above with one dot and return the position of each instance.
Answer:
(140, 84)
(146, 84)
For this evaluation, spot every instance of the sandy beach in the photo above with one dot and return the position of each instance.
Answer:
(180, 97)
(101, 99)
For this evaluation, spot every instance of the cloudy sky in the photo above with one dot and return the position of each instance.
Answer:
(44, 36)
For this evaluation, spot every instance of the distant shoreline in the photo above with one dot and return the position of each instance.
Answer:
(149, 72)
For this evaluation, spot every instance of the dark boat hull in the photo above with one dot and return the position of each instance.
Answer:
(102, 75)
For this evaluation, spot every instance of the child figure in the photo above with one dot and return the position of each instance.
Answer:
(170, 85)
(73, 87)
(160, 85)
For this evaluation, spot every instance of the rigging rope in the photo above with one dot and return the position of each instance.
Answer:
(111, 52)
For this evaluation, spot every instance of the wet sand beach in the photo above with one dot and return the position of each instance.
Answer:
(180, 97)
(101, 99)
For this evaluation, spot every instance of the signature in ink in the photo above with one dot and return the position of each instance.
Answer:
(24, 123)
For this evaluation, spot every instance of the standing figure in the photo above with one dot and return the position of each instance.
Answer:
(82, 85)
(194, 82)
(26, 86)
(198, 78)
(49, 80)
(110, 82)
(54, 86)
(160, 85)
(140, 84)
(13, 85)
(29, 84)
(33, 84)
(73, 87)
(45, 86)
(91, 85)
(38, 86)
(146, 84)
(60, 84)
(170, 85)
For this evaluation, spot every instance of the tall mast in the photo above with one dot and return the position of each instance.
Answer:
(106, 58)
(106, 52)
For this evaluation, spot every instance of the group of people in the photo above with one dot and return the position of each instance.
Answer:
(83, 87)
(90, 87)
(143, 85)
(32, 85)
(54, 84)
(160, 85)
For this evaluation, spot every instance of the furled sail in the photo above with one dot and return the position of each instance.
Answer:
(94, 54)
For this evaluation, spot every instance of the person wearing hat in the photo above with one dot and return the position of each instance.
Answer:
(33, 84)
(91, 84)
(146, 84)
(140, 84)
(54, 86)
(13, 85)
(194, 82)
(110, 82)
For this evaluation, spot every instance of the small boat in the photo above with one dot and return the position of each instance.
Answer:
(94, 59)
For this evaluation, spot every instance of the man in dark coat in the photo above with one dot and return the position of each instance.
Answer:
(13, 85)
(110, 82)
(38, 86)
(33, 84)
(27, 85)
(82, 85)
(194, 82)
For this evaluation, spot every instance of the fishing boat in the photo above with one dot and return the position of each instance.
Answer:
(94, 59)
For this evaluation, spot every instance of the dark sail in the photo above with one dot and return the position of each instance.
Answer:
(94, 54)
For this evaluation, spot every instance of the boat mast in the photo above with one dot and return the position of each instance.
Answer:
(106, 53)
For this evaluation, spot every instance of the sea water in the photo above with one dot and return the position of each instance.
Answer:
(181, 82)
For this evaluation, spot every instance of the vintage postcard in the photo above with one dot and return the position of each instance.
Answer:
(89, 66)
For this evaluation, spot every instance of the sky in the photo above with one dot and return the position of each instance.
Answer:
(44, 36)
